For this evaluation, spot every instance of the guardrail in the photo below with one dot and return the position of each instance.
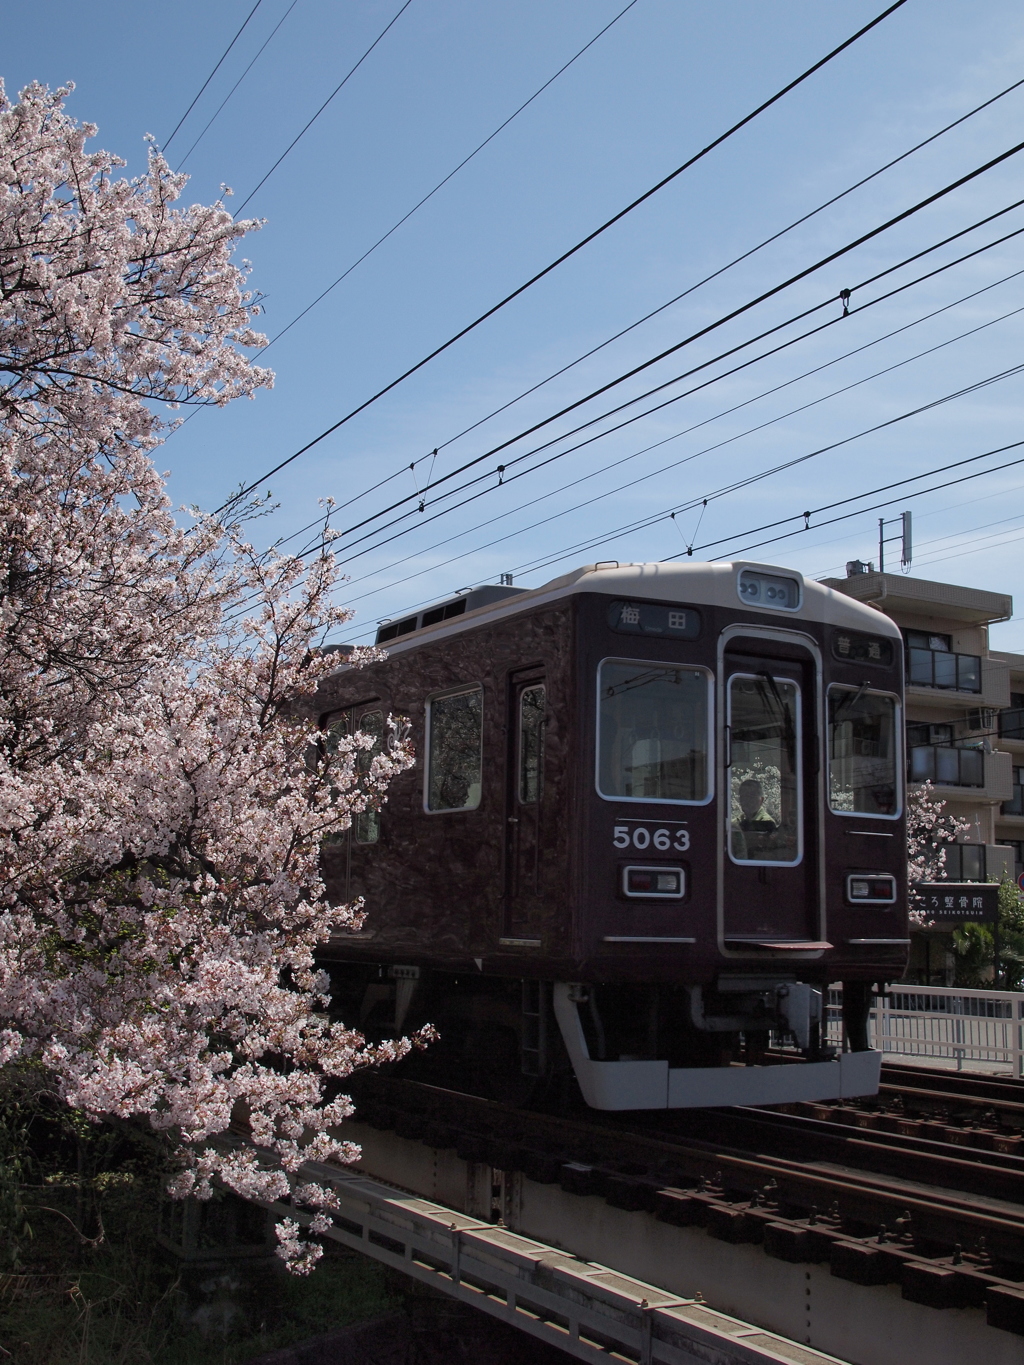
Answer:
(589, 1311)
(945, 1022)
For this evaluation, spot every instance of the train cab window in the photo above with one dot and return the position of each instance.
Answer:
(531, 744)
(863, 767)
(652, 732)
(454, 750)
(764, 774)
(366, 825)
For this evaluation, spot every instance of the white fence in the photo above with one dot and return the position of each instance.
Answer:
(944, 1022)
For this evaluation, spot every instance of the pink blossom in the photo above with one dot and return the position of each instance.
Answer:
(161, 807)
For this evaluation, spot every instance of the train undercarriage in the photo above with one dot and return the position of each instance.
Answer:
(755, 1038)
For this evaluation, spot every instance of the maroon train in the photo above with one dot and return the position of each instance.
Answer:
(656, 810)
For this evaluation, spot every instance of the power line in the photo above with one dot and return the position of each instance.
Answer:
(858, 497)
(902, 496)
(298, 138)
(576, 507)
(213, 73)
(661, 307)
(704, 331)
(441, 183)
(347, 550)
(216, 114)
(748, 481)
(567, 254)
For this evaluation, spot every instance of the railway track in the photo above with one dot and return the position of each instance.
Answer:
(944, 1220)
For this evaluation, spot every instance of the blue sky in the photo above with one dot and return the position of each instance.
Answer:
(664, 80)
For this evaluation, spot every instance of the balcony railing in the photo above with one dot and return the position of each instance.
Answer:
(947, 767)
(939, 668)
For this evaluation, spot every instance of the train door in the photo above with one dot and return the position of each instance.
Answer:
(770, 796)
(525, 805)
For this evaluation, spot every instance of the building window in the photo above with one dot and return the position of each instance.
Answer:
(965, 863)
(1015, 806)
(455, 750)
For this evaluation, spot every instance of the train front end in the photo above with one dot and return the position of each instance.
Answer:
(741, 836)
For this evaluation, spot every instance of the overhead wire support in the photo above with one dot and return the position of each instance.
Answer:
(585, 241)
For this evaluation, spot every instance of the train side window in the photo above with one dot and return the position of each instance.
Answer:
(339, 728)
(366, 825)
(863, 757)
(454, 750)
(531, 743)
(764, 772)
(653, 738)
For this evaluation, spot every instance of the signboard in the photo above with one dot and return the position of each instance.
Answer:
(958, 902)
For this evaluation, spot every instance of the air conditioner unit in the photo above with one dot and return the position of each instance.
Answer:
(980, 718)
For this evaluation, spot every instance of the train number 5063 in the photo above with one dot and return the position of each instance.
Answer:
(641, 837)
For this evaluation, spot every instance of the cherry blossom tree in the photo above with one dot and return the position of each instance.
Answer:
(931, 829)
(161, 806)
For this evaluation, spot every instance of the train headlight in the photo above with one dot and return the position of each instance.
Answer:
(662, 883)
(872, 888)
(768, 590)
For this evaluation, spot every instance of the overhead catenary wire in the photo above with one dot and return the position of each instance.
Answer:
(903, 495)
(441, 183)
(418, 499)
(341, 84)
(217, 112)
(347, 550)
(577, 506)
(566, 255)
(220, 62)
(690, 289)
(746, 482)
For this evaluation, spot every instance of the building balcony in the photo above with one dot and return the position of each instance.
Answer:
(967, 680)
(962, 774)
(977, 863)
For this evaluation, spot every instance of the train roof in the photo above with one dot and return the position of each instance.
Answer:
(689, 583)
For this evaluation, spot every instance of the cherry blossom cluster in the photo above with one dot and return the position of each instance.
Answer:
(161, 805)
(930, 831)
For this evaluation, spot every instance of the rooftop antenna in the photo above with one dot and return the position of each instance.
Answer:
(903, 535)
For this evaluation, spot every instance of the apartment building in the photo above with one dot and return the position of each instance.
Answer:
(964, 722)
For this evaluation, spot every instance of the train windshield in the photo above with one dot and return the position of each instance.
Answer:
(652, 732)
(862, 752)
(764, 772)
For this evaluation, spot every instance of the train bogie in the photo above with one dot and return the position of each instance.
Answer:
(656, 810)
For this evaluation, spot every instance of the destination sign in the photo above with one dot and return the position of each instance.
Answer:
(648, 618)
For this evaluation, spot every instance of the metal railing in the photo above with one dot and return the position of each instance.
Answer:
(946, 765)
(941, 668)
(957, 1026)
